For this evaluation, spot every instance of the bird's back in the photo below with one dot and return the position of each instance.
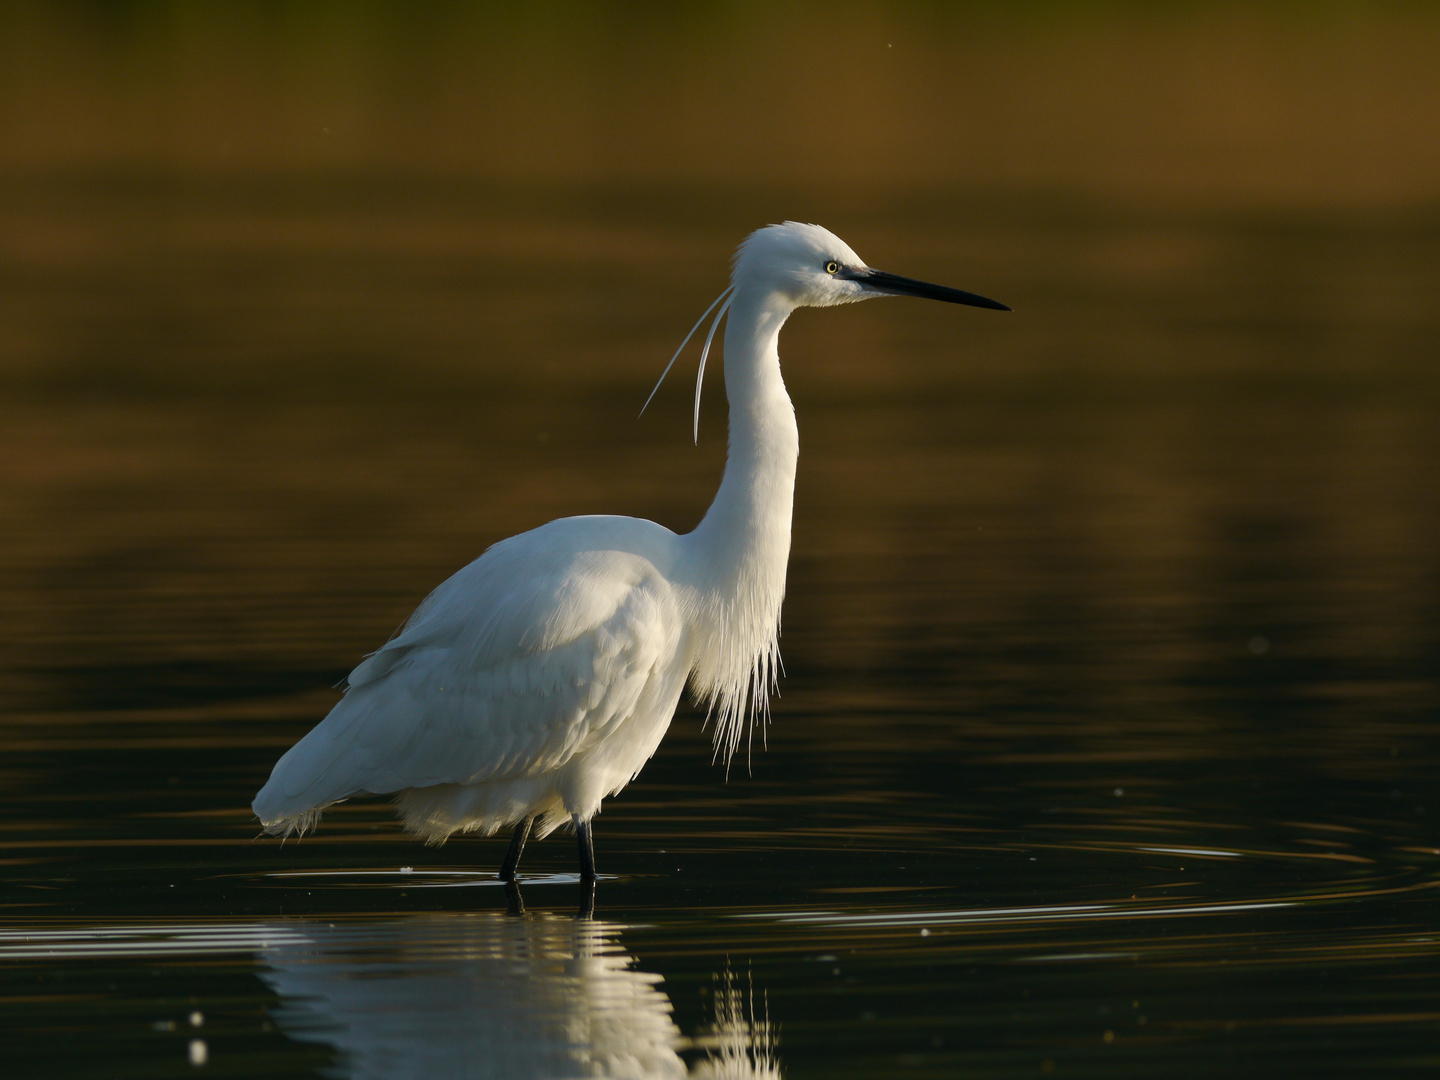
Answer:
(516, 679)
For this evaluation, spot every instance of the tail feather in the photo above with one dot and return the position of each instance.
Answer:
(296, 825)
(320, 770)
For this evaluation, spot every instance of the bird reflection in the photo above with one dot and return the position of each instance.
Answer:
(736, 1044)
(482, 994)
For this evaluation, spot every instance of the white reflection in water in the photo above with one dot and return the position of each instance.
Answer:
(737, 1045)
(487, 995)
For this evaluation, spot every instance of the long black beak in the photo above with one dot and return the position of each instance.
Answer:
(880, 281)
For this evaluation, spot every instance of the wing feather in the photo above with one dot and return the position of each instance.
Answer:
(533, 653)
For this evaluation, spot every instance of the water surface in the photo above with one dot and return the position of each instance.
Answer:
(1107, 739)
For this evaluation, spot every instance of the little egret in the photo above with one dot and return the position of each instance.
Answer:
(540, 678)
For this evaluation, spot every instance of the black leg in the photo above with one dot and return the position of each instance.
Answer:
(587, 899)
(514, 902)
(587, 850)
(517, 845)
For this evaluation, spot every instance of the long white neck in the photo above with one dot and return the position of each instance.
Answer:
(739, 552)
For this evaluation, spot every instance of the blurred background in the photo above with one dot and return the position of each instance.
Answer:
(302, 305)
(260, 261)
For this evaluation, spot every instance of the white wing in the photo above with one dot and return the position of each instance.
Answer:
(534, 652)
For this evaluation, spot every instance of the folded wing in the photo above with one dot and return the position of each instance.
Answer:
(535, 652)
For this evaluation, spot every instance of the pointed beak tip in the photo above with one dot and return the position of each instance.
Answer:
(894, 285)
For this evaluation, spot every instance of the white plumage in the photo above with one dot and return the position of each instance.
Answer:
(540, 678)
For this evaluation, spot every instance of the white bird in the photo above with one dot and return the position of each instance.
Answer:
(539, 679)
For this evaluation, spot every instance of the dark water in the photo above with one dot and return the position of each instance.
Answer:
(1108, 738)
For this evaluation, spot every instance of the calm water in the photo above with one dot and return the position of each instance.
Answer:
(1109, 733)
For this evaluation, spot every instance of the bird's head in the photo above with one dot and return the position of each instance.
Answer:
(797, 265)
(812, 267)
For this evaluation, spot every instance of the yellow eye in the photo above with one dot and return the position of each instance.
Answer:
(832, 267)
